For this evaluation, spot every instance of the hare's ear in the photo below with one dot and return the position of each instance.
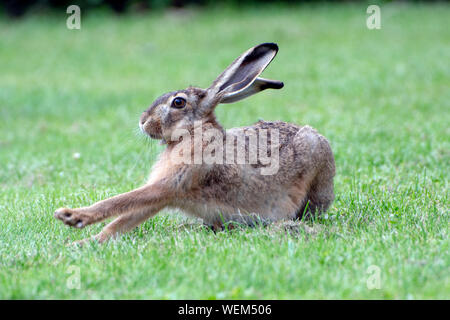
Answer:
(258, 85)
(240, 79)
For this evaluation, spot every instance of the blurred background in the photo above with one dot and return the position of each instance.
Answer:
(17, 8)
(70, 100)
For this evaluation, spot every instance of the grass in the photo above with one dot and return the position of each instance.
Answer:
(381, 97)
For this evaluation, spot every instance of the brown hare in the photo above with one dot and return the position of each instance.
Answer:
(266, 172)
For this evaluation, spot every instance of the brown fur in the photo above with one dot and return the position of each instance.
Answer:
(226, 192)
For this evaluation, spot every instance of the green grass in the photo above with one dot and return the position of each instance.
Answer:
(381, 97)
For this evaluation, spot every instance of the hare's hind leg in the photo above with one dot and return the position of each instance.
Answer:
(319, 196)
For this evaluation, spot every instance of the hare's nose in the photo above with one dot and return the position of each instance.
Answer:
(143, 118)
(141, 125)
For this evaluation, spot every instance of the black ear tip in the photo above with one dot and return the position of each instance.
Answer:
(277, 85)
(272, 84)
(270, 45)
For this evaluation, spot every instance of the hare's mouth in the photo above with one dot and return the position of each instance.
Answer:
(144, 126)
(151, 135)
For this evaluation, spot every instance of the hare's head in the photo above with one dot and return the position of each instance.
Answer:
(182, 109)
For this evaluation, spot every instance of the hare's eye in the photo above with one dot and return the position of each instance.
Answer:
(178, 103)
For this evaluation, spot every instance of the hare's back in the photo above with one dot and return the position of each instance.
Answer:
(298, 148)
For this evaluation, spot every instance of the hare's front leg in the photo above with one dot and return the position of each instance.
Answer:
(149, 198)
(120, 225)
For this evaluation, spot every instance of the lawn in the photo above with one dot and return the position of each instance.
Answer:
(70, 101)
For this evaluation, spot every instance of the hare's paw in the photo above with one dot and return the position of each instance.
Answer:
(72, 217)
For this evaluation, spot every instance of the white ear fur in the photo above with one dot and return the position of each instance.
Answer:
(240, 79)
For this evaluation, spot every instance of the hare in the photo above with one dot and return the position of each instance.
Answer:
(269, 171)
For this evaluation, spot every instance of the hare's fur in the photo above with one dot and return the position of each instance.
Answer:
(218, 193)
(225, 191)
